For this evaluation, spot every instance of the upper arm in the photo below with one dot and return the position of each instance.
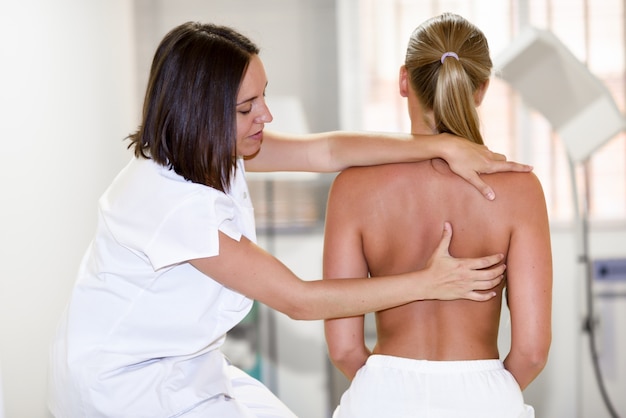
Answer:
(343, 254)
(248, 269)
(529, 271)
(343, 257)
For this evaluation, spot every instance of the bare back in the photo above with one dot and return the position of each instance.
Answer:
(397, 212)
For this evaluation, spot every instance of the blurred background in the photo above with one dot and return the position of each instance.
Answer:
(72, 79)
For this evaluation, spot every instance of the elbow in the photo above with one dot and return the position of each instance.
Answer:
(536, 357)
(527, 363)
(338, 356)
(300, 315)
(534, 367)
(537, 361)
(345, 360)
(295, 302)
(299, 311)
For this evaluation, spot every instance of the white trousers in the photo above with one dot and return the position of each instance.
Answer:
(397, 387)
(251, 399)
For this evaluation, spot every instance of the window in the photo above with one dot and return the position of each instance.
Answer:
(593, 31)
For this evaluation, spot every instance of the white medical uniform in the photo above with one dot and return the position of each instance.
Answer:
(142, 331)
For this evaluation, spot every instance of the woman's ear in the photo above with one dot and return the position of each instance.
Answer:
(479, 94)
(403, 82)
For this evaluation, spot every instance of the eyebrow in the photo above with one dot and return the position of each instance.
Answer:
(246, 101)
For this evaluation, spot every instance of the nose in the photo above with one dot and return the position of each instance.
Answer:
(266, 115)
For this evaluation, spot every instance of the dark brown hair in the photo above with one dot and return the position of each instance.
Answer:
(189, 113)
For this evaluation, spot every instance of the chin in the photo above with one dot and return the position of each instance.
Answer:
(250, 153)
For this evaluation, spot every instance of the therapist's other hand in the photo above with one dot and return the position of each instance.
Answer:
(468, 160)
(463, 278)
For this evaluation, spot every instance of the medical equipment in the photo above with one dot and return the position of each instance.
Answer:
(581, 110)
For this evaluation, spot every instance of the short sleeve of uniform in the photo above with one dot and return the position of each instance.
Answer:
(190, 230)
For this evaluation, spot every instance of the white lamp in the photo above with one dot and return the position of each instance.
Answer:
(553, 81)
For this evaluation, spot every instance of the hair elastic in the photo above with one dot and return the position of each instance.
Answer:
(449, 54)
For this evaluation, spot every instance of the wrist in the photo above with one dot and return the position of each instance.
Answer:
(446, 144)
(428, 147)
(422, 283)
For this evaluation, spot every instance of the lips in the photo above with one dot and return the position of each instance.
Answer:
(257, 136)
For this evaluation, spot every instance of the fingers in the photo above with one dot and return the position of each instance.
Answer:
(483, 263)
(492, 278)
(497, 156)
(498, 166)
(468, 278)
(481, 297)
(483, 187)
(481, 289)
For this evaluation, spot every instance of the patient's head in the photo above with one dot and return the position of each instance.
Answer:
(448, 68)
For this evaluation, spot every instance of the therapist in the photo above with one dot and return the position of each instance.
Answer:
(174, 266)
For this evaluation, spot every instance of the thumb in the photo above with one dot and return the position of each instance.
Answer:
(446, 237)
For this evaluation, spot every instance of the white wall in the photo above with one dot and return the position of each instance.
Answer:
(297, 41)
(66, 104)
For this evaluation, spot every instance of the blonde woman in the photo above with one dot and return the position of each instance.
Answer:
(435, 358)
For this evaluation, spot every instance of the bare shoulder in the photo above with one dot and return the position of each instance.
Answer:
(379, 173)
(368, 171)
(348, 180)
(357, 191)
(357, 178)
(513, 181)
(517, 190)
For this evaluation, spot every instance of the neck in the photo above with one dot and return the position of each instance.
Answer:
(422, 124)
